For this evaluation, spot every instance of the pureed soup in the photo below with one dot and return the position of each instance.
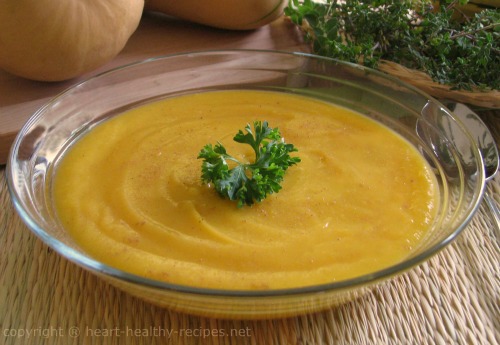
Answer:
(130, 193)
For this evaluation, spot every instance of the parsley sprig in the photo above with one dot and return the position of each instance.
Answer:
(453, 48)
(249, 182)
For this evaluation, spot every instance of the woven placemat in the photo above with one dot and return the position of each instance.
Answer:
(454, 298)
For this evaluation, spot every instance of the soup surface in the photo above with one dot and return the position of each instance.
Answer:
(130, 193)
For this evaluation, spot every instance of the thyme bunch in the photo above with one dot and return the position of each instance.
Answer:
(463, 53)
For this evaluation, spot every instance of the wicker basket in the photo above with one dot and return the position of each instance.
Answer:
(421, 80)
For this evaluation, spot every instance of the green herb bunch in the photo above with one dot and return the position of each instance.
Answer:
(462, 53)
(249, 182)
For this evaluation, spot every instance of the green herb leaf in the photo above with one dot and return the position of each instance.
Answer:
(452, 48)
(247, 183)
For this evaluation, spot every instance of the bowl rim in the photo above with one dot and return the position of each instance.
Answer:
(85, 261)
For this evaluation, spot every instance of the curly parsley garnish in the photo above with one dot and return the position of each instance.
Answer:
(249, 182)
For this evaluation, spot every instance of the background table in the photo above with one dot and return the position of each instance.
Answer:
(454, 298)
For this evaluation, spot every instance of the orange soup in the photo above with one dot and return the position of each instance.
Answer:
(130, 194)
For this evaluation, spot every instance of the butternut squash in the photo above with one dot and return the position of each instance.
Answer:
(52, 40)
(224, 14)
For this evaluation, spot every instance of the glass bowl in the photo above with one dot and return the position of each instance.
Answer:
(423, 121)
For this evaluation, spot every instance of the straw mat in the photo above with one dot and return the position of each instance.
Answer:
(454, 298)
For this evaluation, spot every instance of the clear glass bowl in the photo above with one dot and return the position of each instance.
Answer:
(423, 121)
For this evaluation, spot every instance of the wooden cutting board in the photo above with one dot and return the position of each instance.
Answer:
(157, 35)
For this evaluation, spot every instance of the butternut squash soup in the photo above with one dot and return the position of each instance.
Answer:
(130, 193)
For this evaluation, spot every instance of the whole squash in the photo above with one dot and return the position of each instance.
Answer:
(54, 40)
(224, 14)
